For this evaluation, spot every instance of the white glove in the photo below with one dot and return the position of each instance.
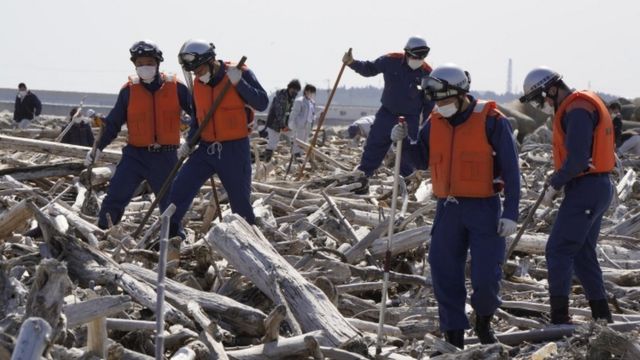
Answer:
(347, 58)
(234, 75)
(551, 193)
(506, 227)
(90, 159)
(77, 120)
(24, 123)
(184, 150)
(399, 132)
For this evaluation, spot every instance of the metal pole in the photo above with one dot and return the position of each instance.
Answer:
(387, 255)
(162, 267)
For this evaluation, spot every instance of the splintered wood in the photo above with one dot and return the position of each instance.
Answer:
(305, 282)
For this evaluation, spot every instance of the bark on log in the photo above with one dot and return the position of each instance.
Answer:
(54, 148)
(612, 342)
(35, 334)
(249, 252)
(324, 157)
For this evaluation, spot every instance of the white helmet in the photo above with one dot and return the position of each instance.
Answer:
(417, 47)
(446, 81)
(537, 82)
(90, 113)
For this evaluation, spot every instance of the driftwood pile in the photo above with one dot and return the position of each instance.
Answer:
(304, 282)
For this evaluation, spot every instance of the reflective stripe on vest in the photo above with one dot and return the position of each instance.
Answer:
(602, 153)
(154, 118)
(460, 157)
(229, 121)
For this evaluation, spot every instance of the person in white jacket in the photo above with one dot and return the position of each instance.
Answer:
(302, 117)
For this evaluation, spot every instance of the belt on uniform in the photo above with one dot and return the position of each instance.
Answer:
(159, 148)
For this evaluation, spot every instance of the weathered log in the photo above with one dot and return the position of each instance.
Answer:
(35, 335)
(322, 156)
(46, 297)
(130, 325)
(14, 218)
(86, 311)
(357, 251)
(209, 334)
(371, 327)
(402, 242)
(54, 148)
(242, 317)
(300, 345)
(43, 171)
(249, 252)
(97, 333)
(545, 308)
(611, 342)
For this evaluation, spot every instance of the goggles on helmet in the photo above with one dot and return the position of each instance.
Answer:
(437, 89)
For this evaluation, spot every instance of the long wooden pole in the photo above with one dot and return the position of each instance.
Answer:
(321, 121)
(192, 143)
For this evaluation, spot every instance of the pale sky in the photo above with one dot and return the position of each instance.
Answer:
(76, 45)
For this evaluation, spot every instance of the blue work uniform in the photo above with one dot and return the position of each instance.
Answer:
(463, 224)
(231, 160)
(400, 97)
(572, 243)
(137, 163)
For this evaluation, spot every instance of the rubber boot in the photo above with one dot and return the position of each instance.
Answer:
(266, 156)
(483, 330)
(600, 310)
(455, 338)
(560, 310)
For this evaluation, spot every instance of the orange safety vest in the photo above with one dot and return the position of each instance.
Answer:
(461, 157)
(230, 120)
(602, 155)
(153, 118)
(398, 55)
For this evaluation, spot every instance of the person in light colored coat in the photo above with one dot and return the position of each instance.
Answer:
(302, 117)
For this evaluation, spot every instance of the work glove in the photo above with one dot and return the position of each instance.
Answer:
(549, 195)
(506, 227)
(399, 132)
(77, 120)
(90, 159)
(184, 150)
(24, 123)
(234, 75)
(347, 58)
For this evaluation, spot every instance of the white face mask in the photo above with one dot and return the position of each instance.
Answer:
(448, 110)
(147, 73)
(205, 78)
(311, 96)
(547, 109)
(414, 63)
(22, 93)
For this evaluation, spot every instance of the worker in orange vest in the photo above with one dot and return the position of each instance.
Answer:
(469, 146)
(149, 104)
(583, 158)
(223, 147)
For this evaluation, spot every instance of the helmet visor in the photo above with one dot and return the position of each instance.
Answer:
(418, 53)
(437, 89)
(142, 47)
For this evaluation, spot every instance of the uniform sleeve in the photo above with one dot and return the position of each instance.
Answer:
(252, 92)
(617, 129)
(500, 137)
(193, 125)
(579, 125)
(15, 109)
(116, 118)
(184, 97)
(418, 152)
(37, 105)
(370, 68)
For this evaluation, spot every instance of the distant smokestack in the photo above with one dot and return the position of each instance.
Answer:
(510, 77)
